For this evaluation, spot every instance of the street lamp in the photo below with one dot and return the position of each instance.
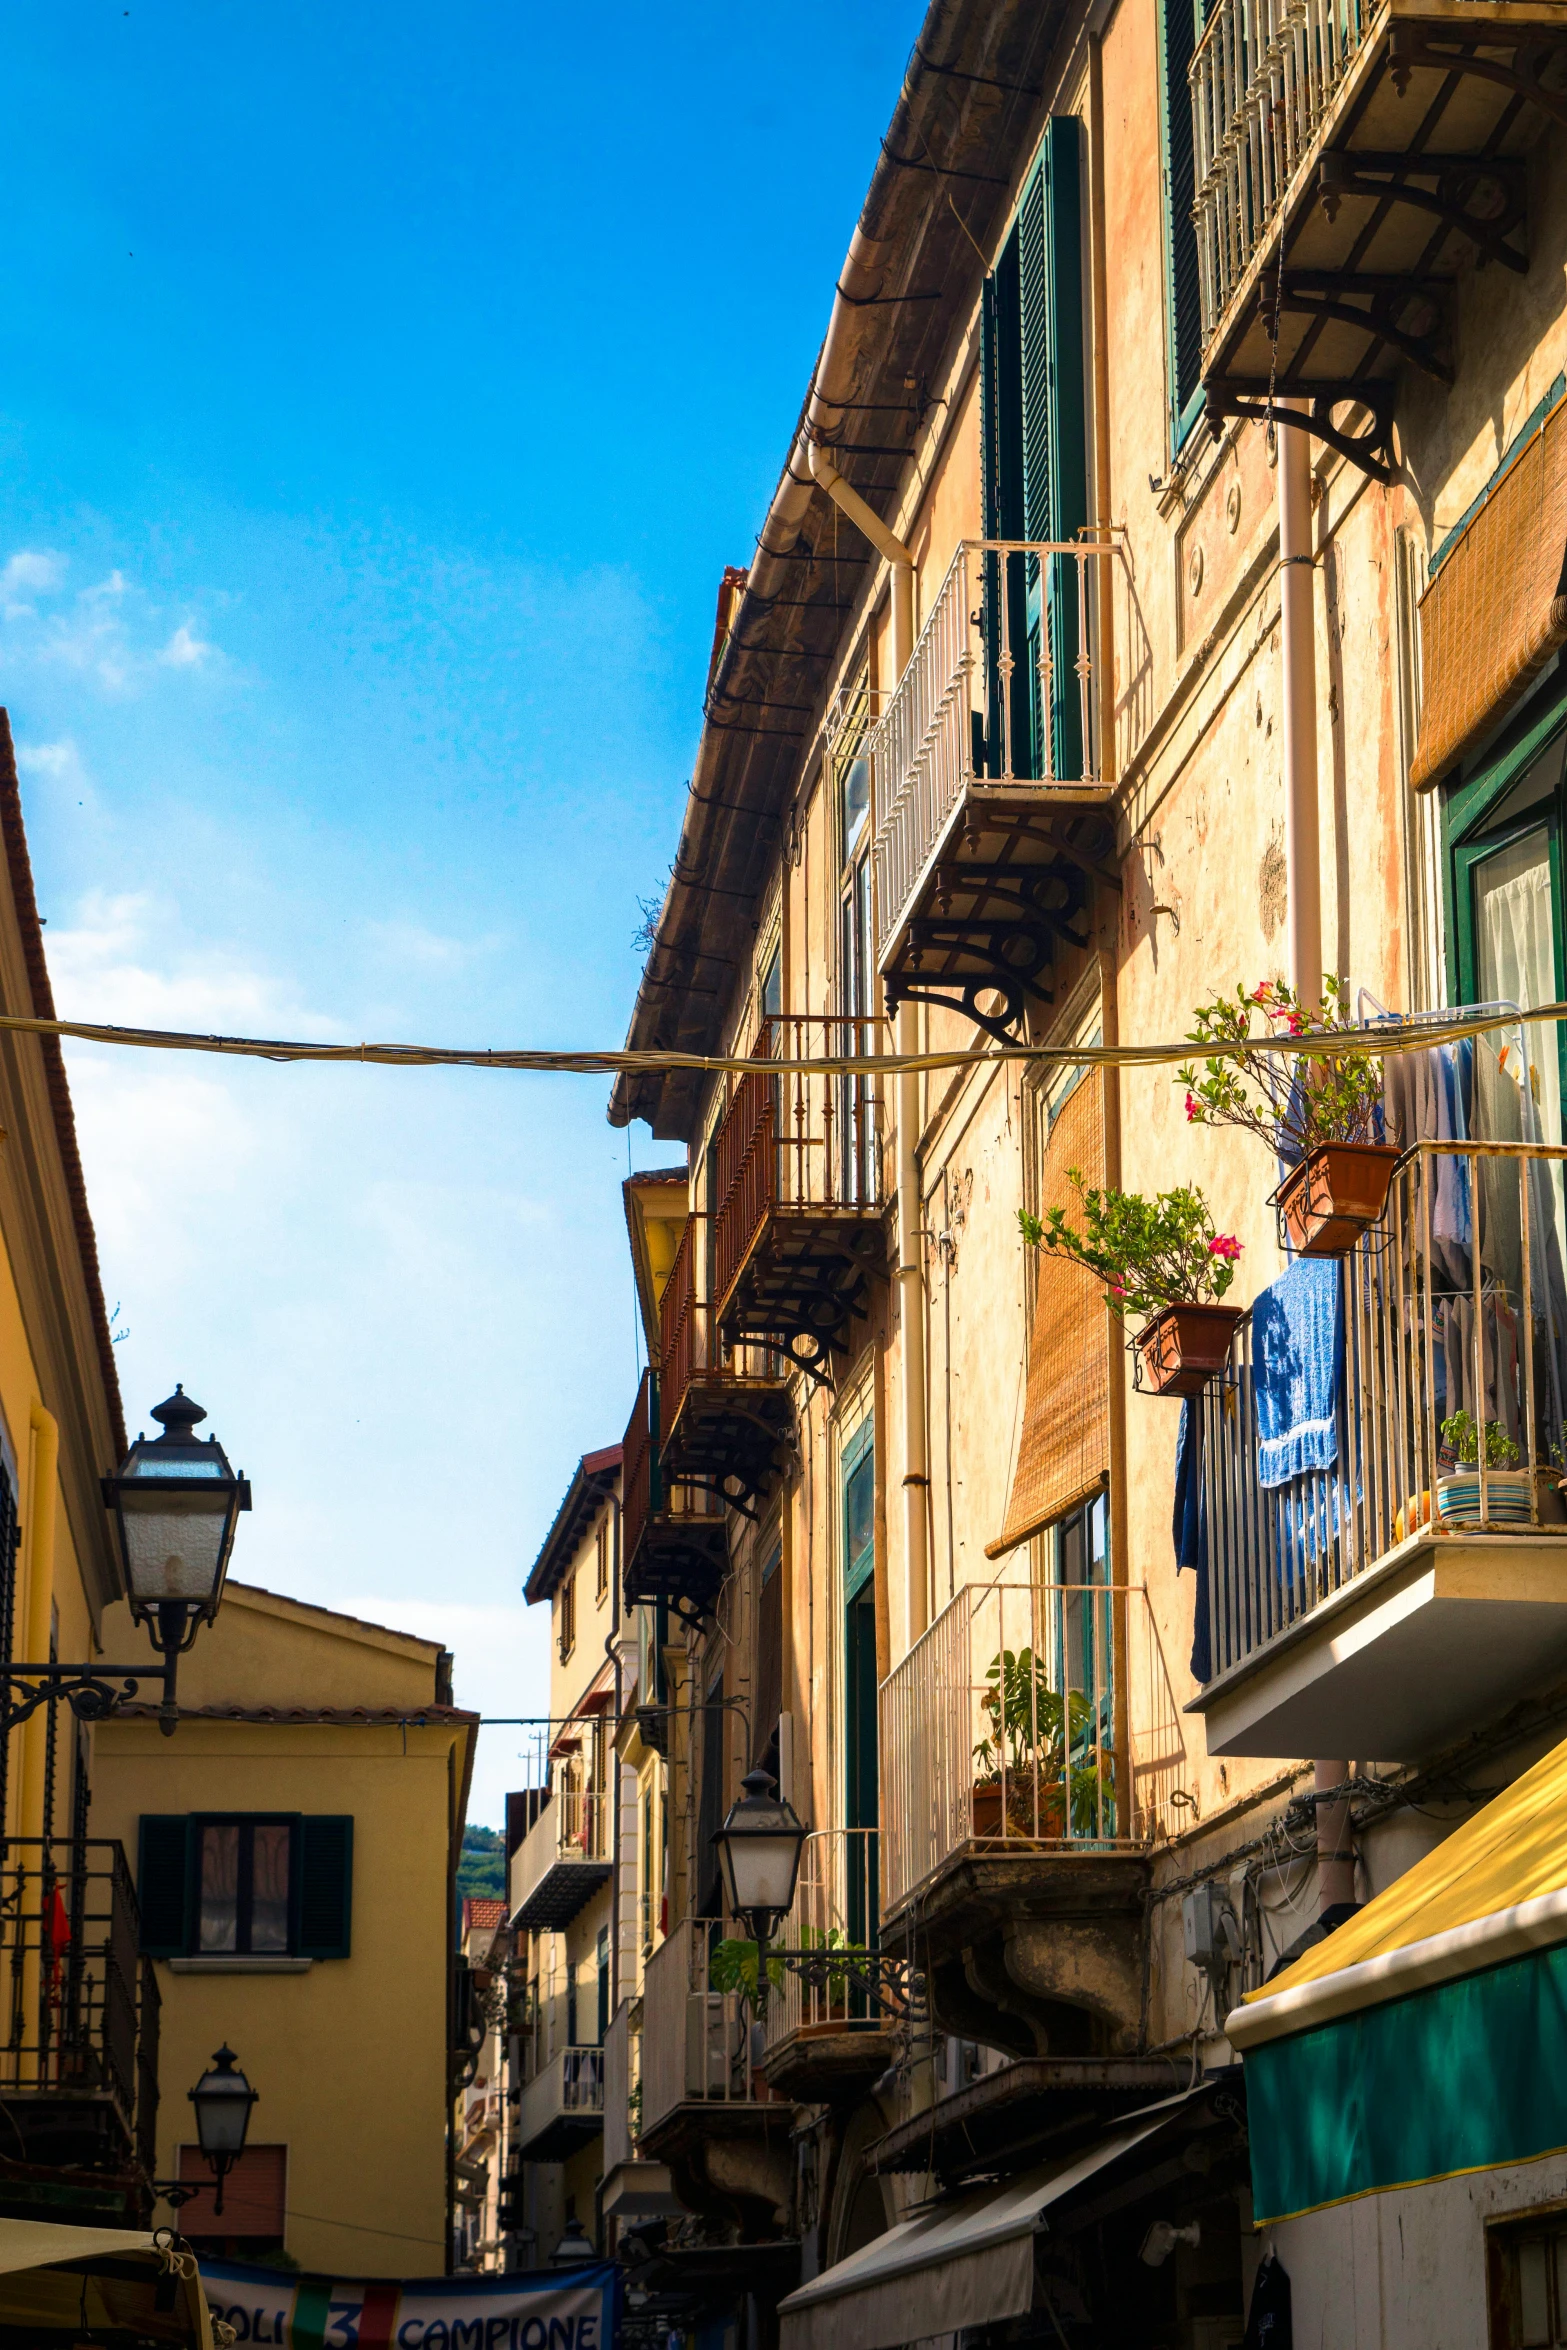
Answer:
(175, 1500)
(223, 2099)
(574, 2249)
(759, 1847)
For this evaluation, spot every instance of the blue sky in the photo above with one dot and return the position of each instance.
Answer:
(382, 390)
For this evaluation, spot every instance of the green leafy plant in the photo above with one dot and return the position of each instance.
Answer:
(1294, 1101)
(634, 2112)
(1461, 1436)
(1035, 1734)
(733, 1966)
(1148, 1253)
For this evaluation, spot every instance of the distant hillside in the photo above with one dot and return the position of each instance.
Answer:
(482, 1868)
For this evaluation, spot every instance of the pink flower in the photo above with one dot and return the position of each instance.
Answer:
(1116, 1289)
(1225, 1245)
(1192, 1110)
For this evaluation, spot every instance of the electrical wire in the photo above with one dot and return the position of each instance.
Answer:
(1381, 1038)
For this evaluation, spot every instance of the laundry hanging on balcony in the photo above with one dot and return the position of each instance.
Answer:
(1297, 1352)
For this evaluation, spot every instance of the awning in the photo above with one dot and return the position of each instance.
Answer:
(1428, 2036)
(1064, 1448)
(968, 2261)
(1495, 612)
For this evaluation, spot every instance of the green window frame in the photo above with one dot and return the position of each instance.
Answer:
(1180, 29)
(1034, 454)
(1475, 829)
(857, 1488)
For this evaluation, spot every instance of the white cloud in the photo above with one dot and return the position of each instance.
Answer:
(28, 572)
(104, 590)
(113, 964)
(184, 651)
(60, 762)
(411, 942)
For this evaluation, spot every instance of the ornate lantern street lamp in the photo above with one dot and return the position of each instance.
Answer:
(223, 2099)
(759, 1847)
(175, 1502)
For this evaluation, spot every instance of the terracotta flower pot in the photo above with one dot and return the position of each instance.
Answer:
(1183, 1347)
(1336, 1193)
(1033, 1812)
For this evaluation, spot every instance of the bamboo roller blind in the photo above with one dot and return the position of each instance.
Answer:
(1495, 612)
(1064, 1448)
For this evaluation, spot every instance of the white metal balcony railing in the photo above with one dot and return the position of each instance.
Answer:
(570, 2086)
(1457, 1305)
(573, 1827)
(837, 1906)
(696, 2042)
(1263, 77)
(958, 718)
(1031, 1717)
(621, 2049)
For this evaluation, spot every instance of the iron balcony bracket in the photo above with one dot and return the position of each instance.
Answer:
(1446, 49)
(86, 1689)
(1402, 314)
(1481, 197)
(1371, 450)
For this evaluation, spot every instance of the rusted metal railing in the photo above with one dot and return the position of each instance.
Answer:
(1455, 1305)
(692, 1347)
(1263, 78)
(792, 1141)
(81, 2005)
(1030, 1717)
(1000, 688)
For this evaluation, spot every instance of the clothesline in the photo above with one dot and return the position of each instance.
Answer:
(1390, 1037)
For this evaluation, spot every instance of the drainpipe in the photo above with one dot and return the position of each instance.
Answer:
(911, 1270)
(1303, 867)
(40, 1608)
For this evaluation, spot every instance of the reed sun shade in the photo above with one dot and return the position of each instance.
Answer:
(1064, 1448)
(1495, 612)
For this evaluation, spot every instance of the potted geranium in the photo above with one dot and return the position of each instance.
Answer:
(1321, 1113)
(1163, 1257)
(1507, 1485)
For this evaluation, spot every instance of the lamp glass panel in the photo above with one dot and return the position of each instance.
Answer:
(151, 1467)
(174, 1544)
(223, 2114)
(761, 1870)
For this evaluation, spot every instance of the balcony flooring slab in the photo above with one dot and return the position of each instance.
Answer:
(1438, 1638)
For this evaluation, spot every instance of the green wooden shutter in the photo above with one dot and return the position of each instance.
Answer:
(1061, 186)
(1179, 24)
(326, 1885)
(163, 1883)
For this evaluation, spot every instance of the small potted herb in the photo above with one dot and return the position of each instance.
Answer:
(1322, 1113)
(1164, 1258)
(1507, 1499)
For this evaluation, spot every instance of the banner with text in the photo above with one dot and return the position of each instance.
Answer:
(537, 2309)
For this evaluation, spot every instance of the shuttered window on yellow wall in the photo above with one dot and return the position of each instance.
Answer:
(1064, 1444)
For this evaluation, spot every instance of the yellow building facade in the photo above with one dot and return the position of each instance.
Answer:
(296, 1847)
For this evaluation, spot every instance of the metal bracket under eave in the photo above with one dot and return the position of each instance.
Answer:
(1481, 197)
(1450, 47)
(1402, 314)
(1371, 450)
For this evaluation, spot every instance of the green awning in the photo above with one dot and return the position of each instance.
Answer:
(1466, 2076)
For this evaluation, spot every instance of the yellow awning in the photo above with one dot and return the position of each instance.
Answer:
(1495, 1889)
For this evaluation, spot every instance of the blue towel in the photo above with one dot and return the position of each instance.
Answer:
(1190, 1531)
(1297, 1354)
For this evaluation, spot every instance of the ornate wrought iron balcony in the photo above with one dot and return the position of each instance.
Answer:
(79, 2066)
(991, 819)
(726, 1422)
(674, 1534)
(1348, 154)
(799, 1193)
